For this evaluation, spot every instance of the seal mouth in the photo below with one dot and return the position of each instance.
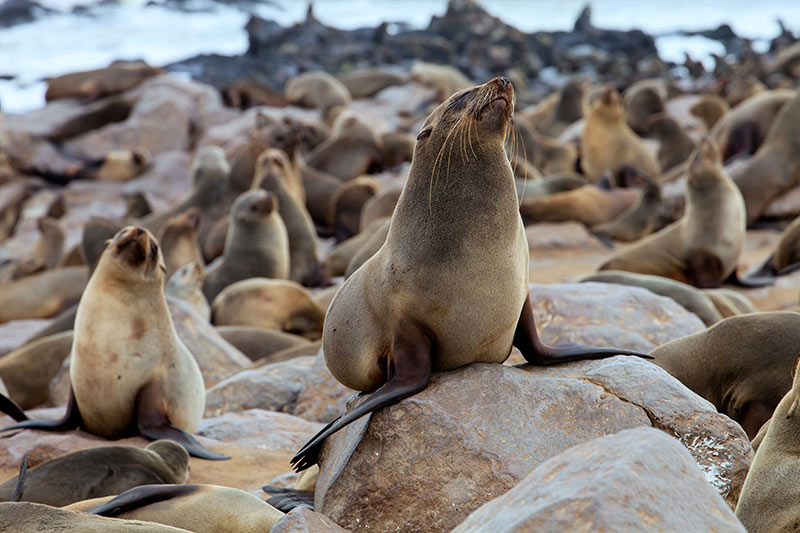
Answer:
(499, 106)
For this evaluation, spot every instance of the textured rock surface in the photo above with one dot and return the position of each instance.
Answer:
(636, 480)
(217, 358)
(272, 387)
(322, 398)
(460, 454)
(301, 520)
(597, 314)
(256, 428)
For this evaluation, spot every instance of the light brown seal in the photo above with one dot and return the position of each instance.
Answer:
(339, 257)
(775, 167)
(178, 238)
(186, 284)
(317, 89)
(28, 370)
(740, 364)
(282, 305)
(347, 204)
(275, 173)
(588, 204)
(47, 251)
(320, 188)
(42, 295)
(257, 244)
(26, 517)
(129, 371)
(730, 303)
(350, 151)
(785, 258)
(609, 144)
(770, 498)
(196, 508)
(260, 343)
(675, 146)
(367, 82)
(701, 248)
(639, 220)
(710, 108)
(404, 313)
(93, 84)
(102, 471)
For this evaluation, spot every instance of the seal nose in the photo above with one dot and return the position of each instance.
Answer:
(505, 82)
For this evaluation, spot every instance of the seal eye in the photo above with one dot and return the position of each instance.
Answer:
(425, 132)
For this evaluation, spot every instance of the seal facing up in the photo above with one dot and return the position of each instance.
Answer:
(129, 371)
(406, 313)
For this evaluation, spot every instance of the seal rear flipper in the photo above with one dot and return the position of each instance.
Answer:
(70, 420)
(750, 281)
(409, 371)
(535, 352)
(140, 497)
(285, 499)
(12, 408)
(153, 423)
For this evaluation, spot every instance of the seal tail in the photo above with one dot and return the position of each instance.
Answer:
(536, 352)
(284, 499)
(409, 371)
(12, 408)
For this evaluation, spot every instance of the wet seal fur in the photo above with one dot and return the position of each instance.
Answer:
(129, 371)
(404, 313)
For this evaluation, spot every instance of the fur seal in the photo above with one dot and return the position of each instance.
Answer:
(350, 151)
(740, 364)
(367, 82)
(257, 244)
(770, 498)
(336, 262)
(275, 173)
(178, 238)
(675, 146)
(396, 148)
(701, 248)
(609, 144)
(317, 89)
(93, 84)
(28, 370)
(379, 206)
(588, 204)
(129, 371)
(25, 517)
(730, 303)
(186, 284)
(259, 343)
(639, 220)
(566, 109)
(373, 243)
(775, 167)
(102, 471)
(742, 129)
(46, 252)
(347, 204)
(282, 305)
(320, 188)
(444, 79)
(642, 100)
(692, 299)
(404, 314)
(785, 258)
(710, 108)
(196, 508)
(42, 295)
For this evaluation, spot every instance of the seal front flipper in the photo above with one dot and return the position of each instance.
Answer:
(408, 372)
(139, 497)
(70, 420)
(153, 423)
(535, 352)
(286, 499)
(12, 408)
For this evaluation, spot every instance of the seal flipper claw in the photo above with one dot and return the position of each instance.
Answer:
(70, 420)
(153, 423)
(535, 352)
(12, 408)
(409, 371)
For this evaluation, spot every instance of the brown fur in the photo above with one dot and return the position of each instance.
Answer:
(28, 370)
(638, 221)
(675, 146)
(588, 204)
(347, 204)
(317, 89)
(178, 238)
(710, 108)
(25, 517)
(93, 84)
(260, 343)
(47, 251)
(42, 295)
(350, 150)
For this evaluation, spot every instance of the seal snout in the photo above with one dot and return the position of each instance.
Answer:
(135, 244)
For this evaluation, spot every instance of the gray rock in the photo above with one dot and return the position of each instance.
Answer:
(302, 520)
(256, 428)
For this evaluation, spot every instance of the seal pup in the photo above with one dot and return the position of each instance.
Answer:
(196, 508)
(129, 372)
(178, 238)
(639, 220)
(275, 173)
(404, 314)
(347, 204)
(608, 143)
(740, 364)
(28, 370)
(675, 146)
(102, 471)
(770, 497)
(42, 295)
(350, 151)
(257, 244)
(186, 284)
(319, 188)
(701, 248)
(642, 100)
(775, 167)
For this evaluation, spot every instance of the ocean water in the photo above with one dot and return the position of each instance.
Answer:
(64, 42)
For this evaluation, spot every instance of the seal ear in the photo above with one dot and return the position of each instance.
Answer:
(425, 132)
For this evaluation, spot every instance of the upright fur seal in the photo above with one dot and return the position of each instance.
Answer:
(257, 244)
(701, 248)
(770, 498)
(129, 371)
(406, 313)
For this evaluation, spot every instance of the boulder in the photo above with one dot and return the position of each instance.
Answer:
(256, 428)
(600, 314)
(322, 398)
(428, 461)
(272, 387)
(302, 520)
(635, 480)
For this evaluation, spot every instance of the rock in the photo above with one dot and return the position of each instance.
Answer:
(322, 398)
(256, 428)
(217, 358)
(13, 12)
(635, 480)
(561, 235)
(167, 178)
(302, 520)
(272, 387)
(15, 333)
(460, 454)
(599, 314)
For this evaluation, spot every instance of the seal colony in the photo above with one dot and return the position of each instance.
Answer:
(457, 213)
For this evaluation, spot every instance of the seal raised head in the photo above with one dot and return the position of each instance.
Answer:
(449, 286)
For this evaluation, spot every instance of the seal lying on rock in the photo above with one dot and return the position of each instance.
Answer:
(450, 285)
